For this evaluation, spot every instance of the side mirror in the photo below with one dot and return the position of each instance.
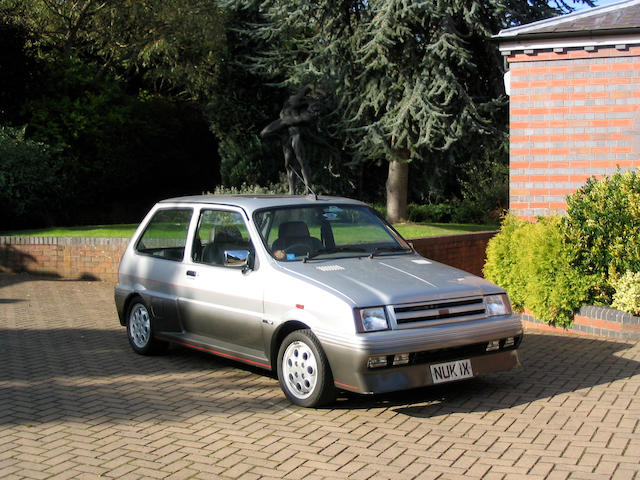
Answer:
(237, 258)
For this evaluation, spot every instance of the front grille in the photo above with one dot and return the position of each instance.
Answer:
(448, 354)
(440, 310)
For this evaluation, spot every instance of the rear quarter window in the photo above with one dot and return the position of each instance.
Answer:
(166, 234)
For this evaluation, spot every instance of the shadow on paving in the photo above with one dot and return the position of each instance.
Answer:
(91, 374)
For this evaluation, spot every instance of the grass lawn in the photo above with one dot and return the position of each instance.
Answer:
(407, 230)
(121, 230)
(420, 230)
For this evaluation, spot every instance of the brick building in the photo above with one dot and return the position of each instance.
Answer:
(574, 85)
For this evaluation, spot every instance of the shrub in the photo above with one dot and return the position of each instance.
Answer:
(503, 258)
(534, 264)
(627, 293)
(29, 179)
(244, 189)
(603, 225)
(440, 212)
(485, 191)
(554, 288)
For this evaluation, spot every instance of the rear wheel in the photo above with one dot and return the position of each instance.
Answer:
(303, 370)
(140, 330)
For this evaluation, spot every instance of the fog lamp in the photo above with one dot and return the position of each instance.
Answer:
(377, 361)
(509, 342)
(401, 359)
(493, 345)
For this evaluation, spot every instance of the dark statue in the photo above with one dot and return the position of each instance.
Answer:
(297, 113)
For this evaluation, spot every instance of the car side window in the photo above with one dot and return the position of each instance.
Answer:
(219, 231)
(166, 234)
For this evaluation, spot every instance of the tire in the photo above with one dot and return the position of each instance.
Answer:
(140, 330)
(303, 370)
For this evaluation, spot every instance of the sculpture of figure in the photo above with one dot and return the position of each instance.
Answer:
(298, 111)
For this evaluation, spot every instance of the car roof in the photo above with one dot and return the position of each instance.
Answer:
(251, 203)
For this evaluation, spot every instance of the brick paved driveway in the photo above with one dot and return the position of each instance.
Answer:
(76, 402)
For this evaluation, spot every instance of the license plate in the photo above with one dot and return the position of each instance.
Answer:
(451, 371)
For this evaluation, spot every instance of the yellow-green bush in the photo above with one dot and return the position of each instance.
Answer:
(503, 258)
(533, 263)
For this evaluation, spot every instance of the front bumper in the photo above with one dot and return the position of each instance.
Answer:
(428, 346)
(414, 376)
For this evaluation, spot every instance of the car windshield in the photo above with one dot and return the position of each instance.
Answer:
(327, 231)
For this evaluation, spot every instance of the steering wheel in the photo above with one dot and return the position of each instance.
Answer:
(298, 248)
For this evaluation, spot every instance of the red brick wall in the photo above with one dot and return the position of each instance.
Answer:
(98, 258)
(64, 257)
(466, 252)
(573, 114)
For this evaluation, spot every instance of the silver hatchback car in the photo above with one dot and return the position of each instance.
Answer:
(320, 289)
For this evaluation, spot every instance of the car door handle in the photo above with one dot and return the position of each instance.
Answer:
(192, 273)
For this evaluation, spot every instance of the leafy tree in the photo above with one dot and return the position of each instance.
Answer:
(16, 68)
(175, 44)
(112, 87)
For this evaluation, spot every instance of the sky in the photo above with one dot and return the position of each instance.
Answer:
(599, 3)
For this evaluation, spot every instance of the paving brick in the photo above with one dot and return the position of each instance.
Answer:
(75, 402)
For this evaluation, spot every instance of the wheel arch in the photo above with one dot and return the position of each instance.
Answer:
(127, 304)
(280, 334)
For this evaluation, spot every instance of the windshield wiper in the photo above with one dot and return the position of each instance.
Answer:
(389, 249)
(323, 251)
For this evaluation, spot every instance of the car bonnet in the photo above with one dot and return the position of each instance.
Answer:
(390, 279)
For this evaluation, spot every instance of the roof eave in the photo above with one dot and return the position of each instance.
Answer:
(571, 34)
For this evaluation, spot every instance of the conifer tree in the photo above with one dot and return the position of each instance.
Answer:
(412, 79)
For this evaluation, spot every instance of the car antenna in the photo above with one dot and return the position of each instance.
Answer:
(311, 192)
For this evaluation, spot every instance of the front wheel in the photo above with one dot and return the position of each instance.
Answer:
(303, 370)
(140, 330)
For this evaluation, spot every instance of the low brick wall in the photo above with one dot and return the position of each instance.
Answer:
(98, 258)
(466, 252)
(64, 257)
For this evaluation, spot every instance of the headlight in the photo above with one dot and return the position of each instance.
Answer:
(497, 305)
(373, 319)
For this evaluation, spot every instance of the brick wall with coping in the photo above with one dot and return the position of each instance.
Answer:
(573, 114)
(64, 257)
(98, 258)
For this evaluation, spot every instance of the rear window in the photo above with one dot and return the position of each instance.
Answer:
(166, 234)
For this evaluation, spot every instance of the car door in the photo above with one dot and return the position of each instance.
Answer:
(222, 303)
(159, 254)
